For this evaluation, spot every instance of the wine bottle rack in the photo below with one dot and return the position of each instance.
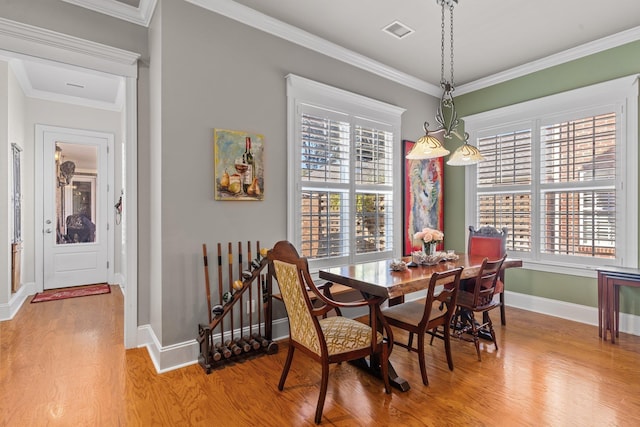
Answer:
(243, 282)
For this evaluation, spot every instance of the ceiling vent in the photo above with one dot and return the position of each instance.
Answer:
(398, 30)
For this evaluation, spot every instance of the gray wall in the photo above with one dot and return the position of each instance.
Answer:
(6, 102)
(218, 73)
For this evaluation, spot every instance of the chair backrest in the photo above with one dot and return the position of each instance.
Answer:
(485, 282)
(292, 274)
(487, 241)
(447, 296)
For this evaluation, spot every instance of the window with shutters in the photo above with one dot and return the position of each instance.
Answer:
(555, 174)
(342, 163)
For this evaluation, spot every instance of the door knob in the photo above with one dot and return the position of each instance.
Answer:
(48, 230)
(48, 221)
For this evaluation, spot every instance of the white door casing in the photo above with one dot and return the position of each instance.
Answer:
(73, 264)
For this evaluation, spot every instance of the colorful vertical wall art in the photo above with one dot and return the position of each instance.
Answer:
(423, 196)
(238, 165)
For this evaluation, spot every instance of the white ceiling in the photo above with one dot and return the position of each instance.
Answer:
(492, 38)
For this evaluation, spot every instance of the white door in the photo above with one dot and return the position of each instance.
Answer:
(75, 212)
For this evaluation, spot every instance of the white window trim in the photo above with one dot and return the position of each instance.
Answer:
(304, 91)
(622, 92)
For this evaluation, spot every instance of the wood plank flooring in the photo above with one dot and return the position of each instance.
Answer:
(62, 363)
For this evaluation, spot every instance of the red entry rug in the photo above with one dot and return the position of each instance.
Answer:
(72, 293)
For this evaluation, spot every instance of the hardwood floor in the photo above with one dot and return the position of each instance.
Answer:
(62, 363)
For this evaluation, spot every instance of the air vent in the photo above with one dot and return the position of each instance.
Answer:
(398, 29)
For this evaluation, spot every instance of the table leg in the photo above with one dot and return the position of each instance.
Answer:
(373, 367)
(616, 308)
(379, 323)
(611, 310)
(600, 302)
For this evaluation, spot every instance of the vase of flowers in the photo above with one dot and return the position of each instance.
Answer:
(429, 248)
(429, 238)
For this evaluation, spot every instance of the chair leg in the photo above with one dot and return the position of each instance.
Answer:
(421, 361)
(447, 345)
(503, 317)
(323, 392)
(410, 342)
(493, 333)
(476, 341)
(287, 365)
(433, 335)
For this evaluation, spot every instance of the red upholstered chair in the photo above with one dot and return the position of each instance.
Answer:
(490, 242)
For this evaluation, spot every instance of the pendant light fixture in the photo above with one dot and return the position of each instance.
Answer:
(428, 147)
(466, 154)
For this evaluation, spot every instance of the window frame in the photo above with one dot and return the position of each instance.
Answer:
(619, 96)
(303, 92)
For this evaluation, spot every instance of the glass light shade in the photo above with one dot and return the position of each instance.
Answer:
(427, 147)
(465, 155)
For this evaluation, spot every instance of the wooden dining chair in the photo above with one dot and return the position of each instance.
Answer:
(487, 241)
(478, 299)
(327, 340)
(425, 317)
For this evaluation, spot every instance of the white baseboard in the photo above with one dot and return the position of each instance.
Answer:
(186, 353)
(9, 310)
(118, 279)
(167, 358)
(629, 323)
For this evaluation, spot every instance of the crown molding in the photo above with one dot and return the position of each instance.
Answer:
(288, 32)
(257, 20)
(140, 15)
(572, 54)
(47, 44)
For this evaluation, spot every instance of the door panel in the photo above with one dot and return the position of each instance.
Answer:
(75, 177)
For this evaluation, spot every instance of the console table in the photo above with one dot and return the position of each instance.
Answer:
(609, 281)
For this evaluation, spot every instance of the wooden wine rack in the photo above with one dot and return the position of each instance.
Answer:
(237, 347)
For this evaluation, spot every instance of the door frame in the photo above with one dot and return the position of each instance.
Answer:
(41, 132)
(39, 42)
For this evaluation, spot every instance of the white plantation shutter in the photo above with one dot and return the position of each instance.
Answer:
(373, 175)
(555, 175)
(324, 165)
(504, 185)
(342, 165)
(578, 187)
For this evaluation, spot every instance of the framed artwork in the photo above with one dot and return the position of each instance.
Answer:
(423, 196)
(238, 165)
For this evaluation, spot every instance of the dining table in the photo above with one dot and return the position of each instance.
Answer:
(377, 279)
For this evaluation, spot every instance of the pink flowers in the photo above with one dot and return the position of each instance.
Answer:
(428, 235)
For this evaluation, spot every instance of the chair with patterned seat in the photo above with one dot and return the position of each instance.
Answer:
(327, 340)
(487, 241)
